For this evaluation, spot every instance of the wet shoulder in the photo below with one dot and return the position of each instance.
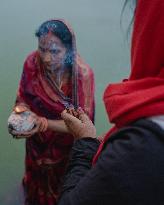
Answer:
(84, 68)
(30, 63)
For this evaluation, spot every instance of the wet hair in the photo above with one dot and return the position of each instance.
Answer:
(132, 5)
(134, 2)
(60, 30)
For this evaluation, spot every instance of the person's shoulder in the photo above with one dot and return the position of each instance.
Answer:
(132, 151)
(31, 61)
(84, 68)
(139, 136)
(31, 56)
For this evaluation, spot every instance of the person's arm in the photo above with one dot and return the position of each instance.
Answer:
(83, 183)
(125, 171)
(41, 125)
(87, 185)
(80, 162)
(57, 126)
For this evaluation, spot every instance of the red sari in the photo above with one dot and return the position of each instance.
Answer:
(47, 153)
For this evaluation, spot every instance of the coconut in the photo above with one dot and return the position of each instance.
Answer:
(21, 122)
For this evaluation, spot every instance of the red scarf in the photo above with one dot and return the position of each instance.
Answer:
(142, 94)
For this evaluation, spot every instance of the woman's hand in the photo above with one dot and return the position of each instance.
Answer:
(41, 125)
(80, 126)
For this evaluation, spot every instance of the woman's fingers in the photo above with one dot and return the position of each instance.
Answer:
(84, 118)
(80, 110)
(70, 110)
(75, 113)
(68, 118)
(14, 133)
(73, 123)
(25, 133)
(21, 134)
(79, 128)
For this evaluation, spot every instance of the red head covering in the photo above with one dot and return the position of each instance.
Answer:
(142, 95)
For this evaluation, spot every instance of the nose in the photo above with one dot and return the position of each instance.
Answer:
(47, 57)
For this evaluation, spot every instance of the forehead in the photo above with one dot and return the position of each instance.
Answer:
(50, 40)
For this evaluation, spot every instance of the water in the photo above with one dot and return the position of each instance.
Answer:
(100, 42)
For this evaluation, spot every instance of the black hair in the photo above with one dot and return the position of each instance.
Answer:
(132, 5)
(60, 30)
(132, 2)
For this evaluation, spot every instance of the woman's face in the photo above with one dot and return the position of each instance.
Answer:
(52, 52)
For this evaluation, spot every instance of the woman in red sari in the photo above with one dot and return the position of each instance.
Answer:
(54, 78)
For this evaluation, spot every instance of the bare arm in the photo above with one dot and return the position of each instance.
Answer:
(41, 125)
(57, 126)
